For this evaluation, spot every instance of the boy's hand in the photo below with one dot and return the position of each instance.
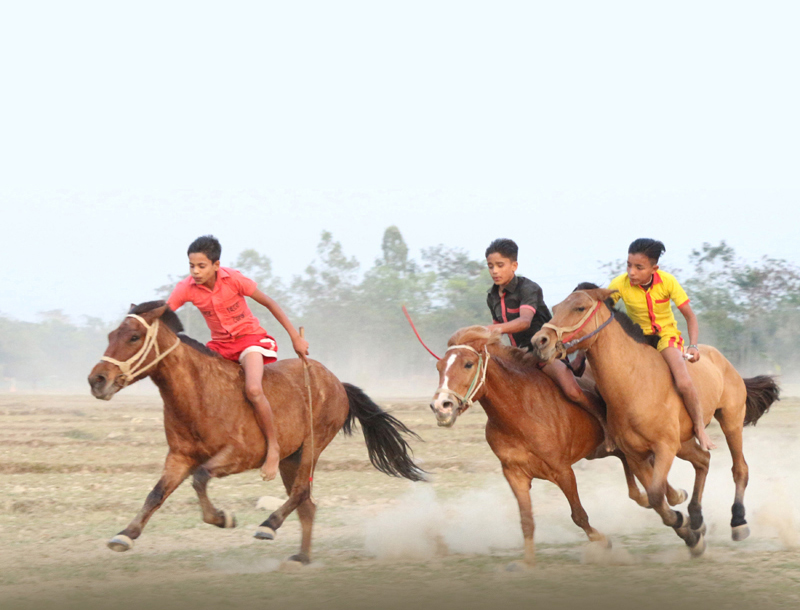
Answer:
(494, 329)
(300, 346)
(692, 353)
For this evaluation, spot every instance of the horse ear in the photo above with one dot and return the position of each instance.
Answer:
(131, 307)
(600, 294)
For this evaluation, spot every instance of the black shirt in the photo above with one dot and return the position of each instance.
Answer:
(520, 293)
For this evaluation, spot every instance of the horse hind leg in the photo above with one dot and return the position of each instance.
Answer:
(732, 428)
(215, 467)
(569, 486)
(295, 472)
(674, 496)
(176, 469)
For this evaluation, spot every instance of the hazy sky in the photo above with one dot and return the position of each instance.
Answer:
(126, 130)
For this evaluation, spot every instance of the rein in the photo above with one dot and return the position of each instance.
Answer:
(474, 386)
(575, 329)
(134, 365)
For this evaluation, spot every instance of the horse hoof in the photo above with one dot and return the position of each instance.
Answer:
(292, 565)
(699, 548)
(264, 532)
(701, 531)
(230, 519)
(682, 495)
(300, 558)
(740, 532)
(120, 543)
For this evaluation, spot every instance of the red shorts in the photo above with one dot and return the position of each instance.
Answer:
(241, 346)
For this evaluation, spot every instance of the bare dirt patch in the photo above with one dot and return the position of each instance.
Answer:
(74, 471)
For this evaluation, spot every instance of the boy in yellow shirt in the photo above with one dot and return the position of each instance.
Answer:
(647, 292)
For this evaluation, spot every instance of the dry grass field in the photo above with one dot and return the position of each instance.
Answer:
(74, 471)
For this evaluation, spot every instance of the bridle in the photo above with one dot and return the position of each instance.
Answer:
(475, 386)
(563, 344)
(134, 365)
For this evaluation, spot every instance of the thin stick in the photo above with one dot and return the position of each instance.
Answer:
(414, 328)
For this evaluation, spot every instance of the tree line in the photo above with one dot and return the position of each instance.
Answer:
(353, 318)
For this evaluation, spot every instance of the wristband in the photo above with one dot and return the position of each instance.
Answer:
(693, 346)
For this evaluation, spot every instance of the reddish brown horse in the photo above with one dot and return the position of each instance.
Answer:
(532, 428)
(646, 416)
(211, 427)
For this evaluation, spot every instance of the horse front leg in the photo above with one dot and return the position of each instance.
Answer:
(217, 466)
(674, 496)
(176, 469)
(565, 480)
(654, 478)
(520, 483)
(700, 459)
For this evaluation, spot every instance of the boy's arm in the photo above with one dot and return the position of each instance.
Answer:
(694, 331)
(299, 344)
(514, 326)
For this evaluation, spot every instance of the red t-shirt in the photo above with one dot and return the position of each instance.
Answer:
(224, 308)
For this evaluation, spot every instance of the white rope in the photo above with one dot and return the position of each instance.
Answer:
(134, 365)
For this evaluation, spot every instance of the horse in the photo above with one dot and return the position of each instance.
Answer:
(211, 427)
(533, 429)
(646, 416)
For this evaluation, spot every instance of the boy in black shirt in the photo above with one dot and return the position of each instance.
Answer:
(518, 310)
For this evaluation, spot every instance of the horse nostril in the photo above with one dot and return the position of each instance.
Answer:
(433, 407)
(97, 380)
(447, 404)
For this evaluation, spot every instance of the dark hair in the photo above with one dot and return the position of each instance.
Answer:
(651, 248)
(208, 245)
(504, 247)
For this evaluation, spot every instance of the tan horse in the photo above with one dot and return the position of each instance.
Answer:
(646, 416)
(211, 427)
(532, 428)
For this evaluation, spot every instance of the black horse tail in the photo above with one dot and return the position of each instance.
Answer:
(762, 391)
(383, 433)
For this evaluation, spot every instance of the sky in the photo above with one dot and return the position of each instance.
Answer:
(127, 130)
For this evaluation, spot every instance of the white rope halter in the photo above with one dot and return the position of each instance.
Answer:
(134, 365)
(474, 386)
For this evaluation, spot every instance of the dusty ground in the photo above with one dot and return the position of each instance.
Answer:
(74, 471)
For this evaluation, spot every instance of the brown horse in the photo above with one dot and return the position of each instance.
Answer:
(532, 428)
(646, 416)
(211, 427)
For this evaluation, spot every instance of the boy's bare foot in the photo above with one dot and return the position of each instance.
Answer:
(269, 470)
(704, 440)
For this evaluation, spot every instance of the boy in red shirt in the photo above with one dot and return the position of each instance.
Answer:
(236, 334)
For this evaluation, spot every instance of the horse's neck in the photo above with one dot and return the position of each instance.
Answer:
(178, 380)
(619, 363)
(504, 388)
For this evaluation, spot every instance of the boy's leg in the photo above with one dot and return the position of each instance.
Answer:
(685, 386)
(253, 364)
(560, 373)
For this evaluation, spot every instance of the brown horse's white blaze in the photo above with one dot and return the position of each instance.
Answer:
(646, 415)
(211, 427)
(460, 366)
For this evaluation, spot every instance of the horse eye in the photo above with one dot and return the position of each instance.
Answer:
(580, 309)
(468, 365)
(134, 338)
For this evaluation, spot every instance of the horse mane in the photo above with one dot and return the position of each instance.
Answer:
(173, 322)
(524, 360)
(631, 328)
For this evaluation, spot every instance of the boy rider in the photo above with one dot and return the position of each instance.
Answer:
(518, 310)
(236, 334)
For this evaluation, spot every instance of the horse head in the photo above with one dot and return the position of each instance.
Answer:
(135, 347)
(462, 373)
(575, 323)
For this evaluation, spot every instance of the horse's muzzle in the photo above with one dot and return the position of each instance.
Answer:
(102, 383)
(446, 408)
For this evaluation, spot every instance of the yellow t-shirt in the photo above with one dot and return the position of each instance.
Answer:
(650, 308)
